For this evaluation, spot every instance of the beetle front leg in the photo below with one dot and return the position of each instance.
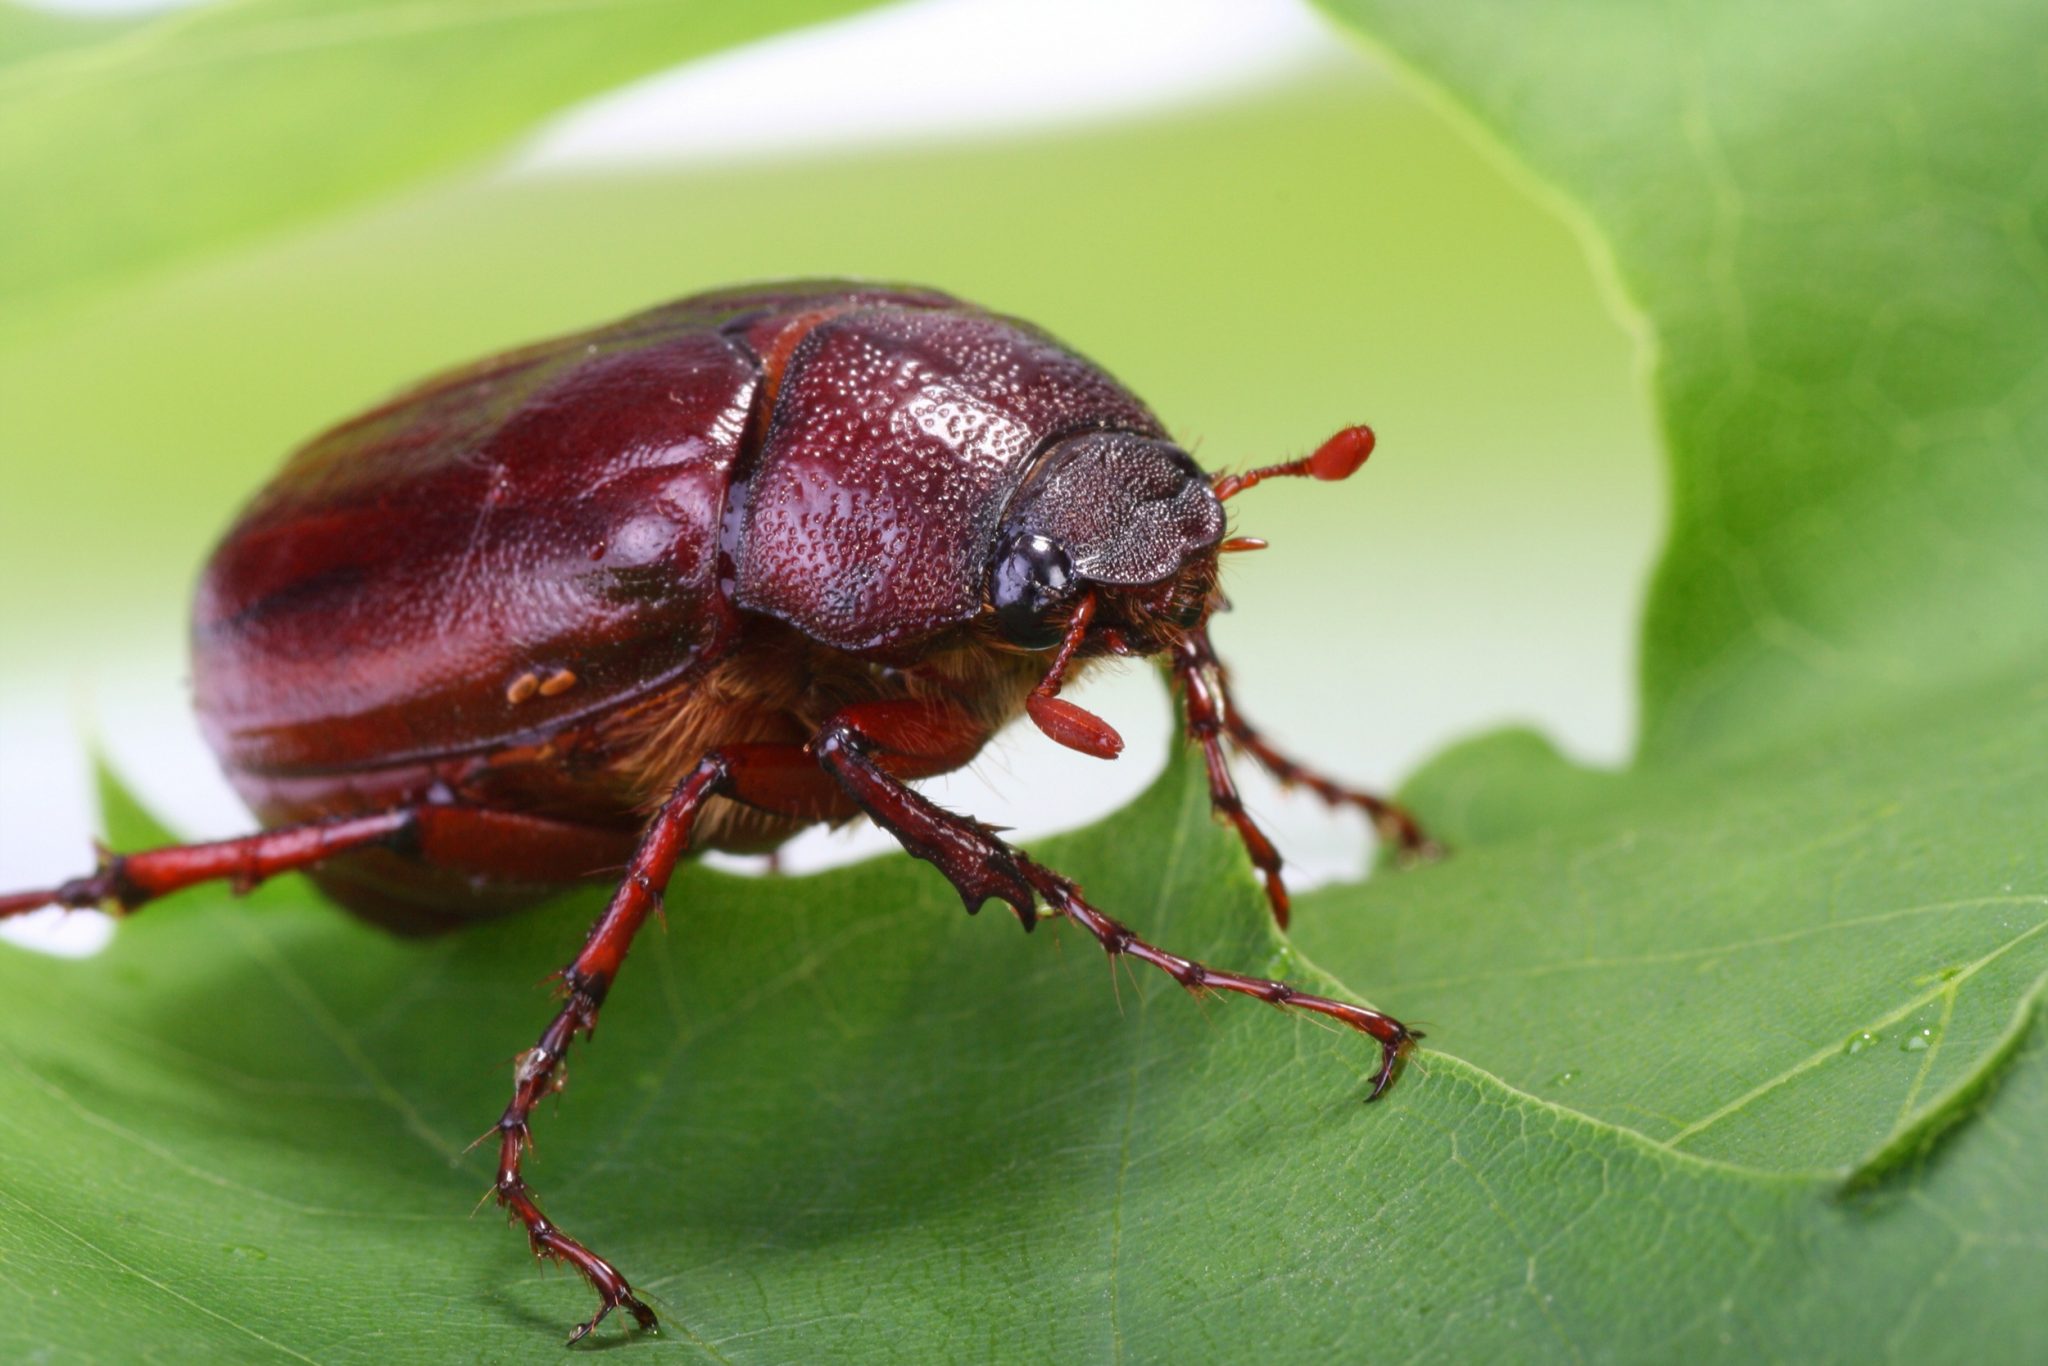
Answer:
(981, 866)
(914, 738)
(1202, 684)
(1390, 820)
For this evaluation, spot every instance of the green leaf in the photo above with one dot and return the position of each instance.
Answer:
(838, 1119)
(31, 33)
(127, 147)
(1809, 960)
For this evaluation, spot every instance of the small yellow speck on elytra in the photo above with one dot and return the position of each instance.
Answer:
(558, 682)
(523, 687)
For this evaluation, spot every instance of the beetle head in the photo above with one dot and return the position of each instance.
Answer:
(1127, 520)
(1118, 535)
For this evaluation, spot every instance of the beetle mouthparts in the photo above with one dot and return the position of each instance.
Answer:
(1338, 458)
(1063, 722)
(1075, 727)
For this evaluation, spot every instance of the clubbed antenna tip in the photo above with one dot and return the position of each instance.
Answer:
(1338, 458)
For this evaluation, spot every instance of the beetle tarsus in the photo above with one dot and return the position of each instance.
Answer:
(1394, 1038)
(1391, 821)
(643, 1317)
(21, 903)
(108, 888)
(550, 1243)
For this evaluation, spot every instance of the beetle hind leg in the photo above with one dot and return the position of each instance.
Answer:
(982, 866)
(126, 882)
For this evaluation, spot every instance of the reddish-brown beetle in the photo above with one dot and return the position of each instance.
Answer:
(696, 580)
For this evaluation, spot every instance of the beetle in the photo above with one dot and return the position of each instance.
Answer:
(749, 561)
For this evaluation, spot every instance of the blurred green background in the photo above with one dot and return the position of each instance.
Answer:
(1263, 266)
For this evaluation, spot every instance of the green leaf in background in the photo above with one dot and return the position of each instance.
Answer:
(1836, 223)
(1833, 829)
(27, 34)
(126, 146)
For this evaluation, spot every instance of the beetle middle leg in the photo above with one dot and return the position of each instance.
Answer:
(588, 978)
(780, 777)
(853, 748)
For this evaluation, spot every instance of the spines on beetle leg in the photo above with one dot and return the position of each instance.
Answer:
(980, 865)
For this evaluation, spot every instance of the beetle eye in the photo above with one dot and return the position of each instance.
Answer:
(1033, 577)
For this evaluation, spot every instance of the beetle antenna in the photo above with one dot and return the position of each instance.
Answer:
(1064, 723)
(1337, 458)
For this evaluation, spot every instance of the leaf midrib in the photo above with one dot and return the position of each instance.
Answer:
(1907, 1132)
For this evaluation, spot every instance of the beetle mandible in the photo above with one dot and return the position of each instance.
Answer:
(743, 563)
